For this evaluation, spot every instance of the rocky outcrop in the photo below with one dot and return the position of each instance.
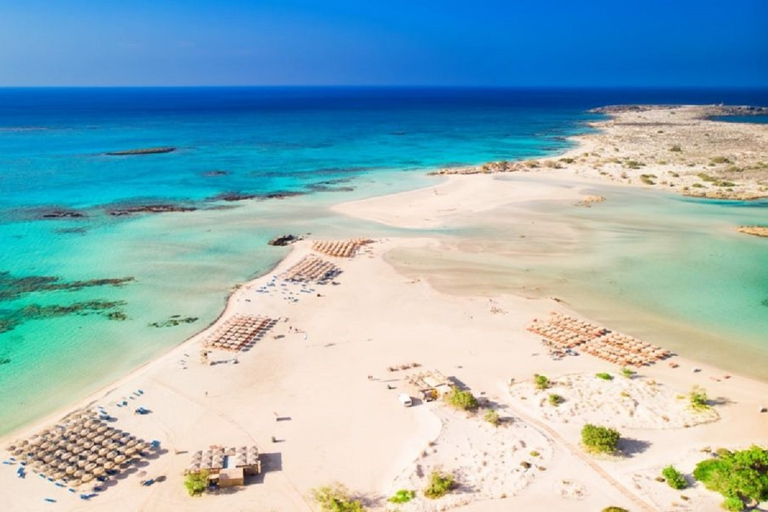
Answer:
(284, 240)
(61, 214)
(149, 208)
(141, 151)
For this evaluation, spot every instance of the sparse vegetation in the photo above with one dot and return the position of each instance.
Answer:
(542, 382)
(699, 399)
(675, 148)
(647, 179)
(196, 483)
(604, 376)
(600, 439)
(555, 399)
(627, 372)
(440, 484)
(634, 164)
(674, 478)
(720, 160)
(567, 160)
(492, 417)
(461, 399)
(336, 498)
(534, 453)
(614, 509)
(402, 496)
(740, 476)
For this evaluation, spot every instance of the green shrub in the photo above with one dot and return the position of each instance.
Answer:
(541, 382)
(492, 417)
(614, 509)
(196, 483)
(706, 177)
(402, 496)
(555, 399)
(720, 160)
(697, 185)
(674, 478)
(567, 160)
(676, 148)
(600, 439)
(699, 399)
(604, 376)
(740, 476)
(463, 400)
(534, 453)
(440, 484)
(646, 178)
(627, 372)
(336, 498)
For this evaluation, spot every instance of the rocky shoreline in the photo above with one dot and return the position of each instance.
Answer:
(677, 148)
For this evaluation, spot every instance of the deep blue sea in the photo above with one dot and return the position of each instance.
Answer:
(63, 335)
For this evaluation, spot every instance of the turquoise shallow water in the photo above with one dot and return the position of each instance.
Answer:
(664, 268)
(329, 144)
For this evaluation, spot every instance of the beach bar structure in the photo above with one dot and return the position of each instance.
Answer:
(429, 385)
(226, 467)
(239, 333)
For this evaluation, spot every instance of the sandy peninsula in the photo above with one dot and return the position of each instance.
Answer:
(318, 393)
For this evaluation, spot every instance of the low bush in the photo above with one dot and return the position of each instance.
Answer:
(336, 498)
(440, 484)
(541, 381)
(674, 478)
(402, 496)
(600, 439)
(463, 400)
(604, 376)
(555, 399)
(699, 399)
(675, 148)
(492, 417)
(196, 483)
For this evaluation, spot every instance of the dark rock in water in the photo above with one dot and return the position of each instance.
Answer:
(4, 360)
(117, 315)
(765, 303)
(234, 196)
(141, 151)
(398, 133)
(61, 214)
(215, 173)
(72, 231)
(9, 320)
(150, 208)
(174, 321)
(283, 195)
(284, 240)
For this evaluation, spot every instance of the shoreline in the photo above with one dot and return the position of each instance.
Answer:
(471, 203)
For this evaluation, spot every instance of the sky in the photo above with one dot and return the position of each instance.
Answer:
(669, 43)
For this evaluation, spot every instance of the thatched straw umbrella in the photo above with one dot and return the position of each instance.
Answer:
(99, 470)
(70, 470)
(99, 438)
(102, 429)
(112, 455)
(90, 467)
(92, 457)
(81, 463)
(103, 451)
(130, 451)
(120, 459)
(109, 465)
(78, 474)
(48, 458)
